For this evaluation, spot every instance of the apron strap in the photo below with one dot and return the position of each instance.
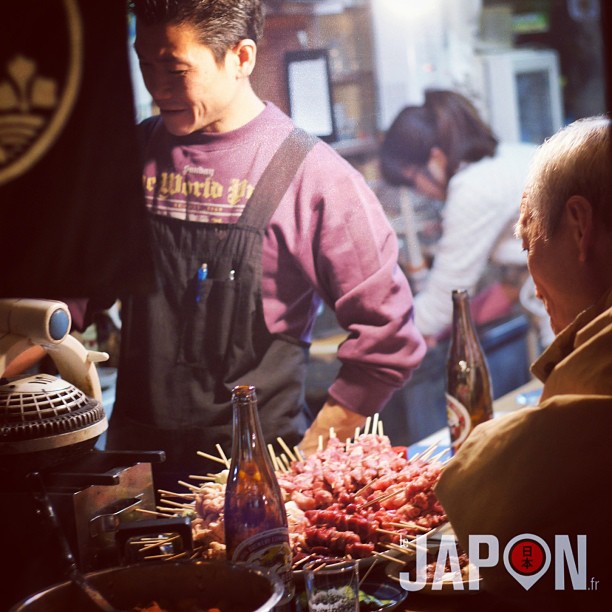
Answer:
(276, 179)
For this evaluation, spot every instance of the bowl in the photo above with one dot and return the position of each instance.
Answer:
(171, 584)
(373, 597)
(380, 597)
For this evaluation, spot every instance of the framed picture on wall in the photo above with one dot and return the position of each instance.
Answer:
(310, 92)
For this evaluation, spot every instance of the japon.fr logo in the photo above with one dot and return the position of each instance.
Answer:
(526, 558)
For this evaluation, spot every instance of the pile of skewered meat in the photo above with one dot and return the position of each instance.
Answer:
(359, 495)
(349, 499)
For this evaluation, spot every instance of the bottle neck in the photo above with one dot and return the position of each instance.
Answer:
(462, 316)
(247, 434)
(248, 440)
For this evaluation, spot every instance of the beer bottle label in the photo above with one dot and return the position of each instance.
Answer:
(271, 550)
(459, 421)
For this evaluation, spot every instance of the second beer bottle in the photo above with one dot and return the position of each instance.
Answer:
(469, 399)
(254, 516)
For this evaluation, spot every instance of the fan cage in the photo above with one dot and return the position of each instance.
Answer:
(23, 407)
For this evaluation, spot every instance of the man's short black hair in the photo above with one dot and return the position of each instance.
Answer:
(221, 24)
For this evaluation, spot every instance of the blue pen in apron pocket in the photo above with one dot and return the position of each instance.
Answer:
(202, 275)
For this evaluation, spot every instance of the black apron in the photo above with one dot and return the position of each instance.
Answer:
(185, 347)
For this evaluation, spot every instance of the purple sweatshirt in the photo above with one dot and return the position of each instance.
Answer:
(328, 239)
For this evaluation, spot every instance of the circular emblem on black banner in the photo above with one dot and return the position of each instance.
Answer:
(41, 63)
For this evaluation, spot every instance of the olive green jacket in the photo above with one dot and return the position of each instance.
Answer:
(546, 470)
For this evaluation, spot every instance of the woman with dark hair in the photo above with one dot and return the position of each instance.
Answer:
(445, 151)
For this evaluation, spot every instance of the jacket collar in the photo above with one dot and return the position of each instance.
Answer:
(586, 325)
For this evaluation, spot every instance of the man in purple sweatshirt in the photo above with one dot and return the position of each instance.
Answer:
(254, 224)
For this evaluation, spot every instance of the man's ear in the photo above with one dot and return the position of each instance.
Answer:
(579, 215)
(246, 54)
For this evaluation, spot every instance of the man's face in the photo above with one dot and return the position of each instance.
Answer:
(192, 91)
(551, 263)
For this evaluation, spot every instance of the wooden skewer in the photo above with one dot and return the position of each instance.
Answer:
(274, 458)
(357, 430)
(362, 580)
(165, 493)
(392, 546)
(210, 477)
(320, 444)
(388, 532)
(437, 457)
(222, 455)
(416, 546)
(321, 563)
(151, 512)
(172, 511)
(280, 465)
(298, 453)
(427, 453)
(159, 543)
(381, 431)
(134, 543)
(212, 458)
(337, 564)
(402, 549)
(347, 444)
(189, 486)
(145, 540)
(410, 525)
(366, 487)
(303, 560)
(178, 556)
(286, 449)
(366, 427)
(390, 558)
(286, 462)
(381, 498)
(169, 502)
(414, 458)
(402, 526)
(164, 556)
(375, 423)
(423, 455)
(332, 432)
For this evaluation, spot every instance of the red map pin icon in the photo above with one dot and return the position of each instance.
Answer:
(527, 557)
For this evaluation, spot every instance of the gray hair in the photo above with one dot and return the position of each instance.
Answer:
(577, 160)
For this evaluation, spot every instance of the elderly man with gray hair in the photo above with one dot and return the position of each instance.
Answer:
(535, 479)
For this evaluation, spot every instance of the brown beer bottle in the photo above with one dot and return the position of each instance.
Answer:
(469, 400)
(255, 520)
